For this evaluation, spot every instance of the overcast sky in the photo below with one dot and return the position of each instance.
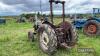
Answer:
(16, 7)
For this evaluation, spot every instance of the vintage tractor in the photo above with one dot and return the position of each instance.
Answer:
(91, 26)
(21, 19)
(2, 21)
(50, 36)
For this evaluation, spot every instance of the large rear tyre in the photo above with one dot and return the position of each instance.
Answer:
(48, 39)
(91, 28)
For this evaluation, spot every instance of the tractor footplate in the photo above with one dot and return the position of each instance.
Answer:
(65, 45)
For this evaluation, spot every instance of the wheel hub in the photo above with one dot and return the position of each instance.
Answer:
(92, 28)
(44, 40)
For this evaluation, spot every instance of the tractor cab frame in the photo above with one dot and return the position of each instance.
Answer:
(51, 9)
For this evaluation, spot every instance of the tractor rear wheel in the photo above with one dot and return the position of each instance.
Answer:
(48, 39)
(92, 28)
(70, 33)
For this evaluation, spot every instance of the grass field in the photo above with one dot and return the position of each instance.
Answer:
(14, 42)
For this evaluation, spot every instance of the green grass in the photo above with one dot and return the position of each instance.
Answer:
(14, 41)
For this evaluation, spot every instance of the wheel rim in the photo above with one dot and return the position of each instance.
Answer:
(44, 40)
(91, 28)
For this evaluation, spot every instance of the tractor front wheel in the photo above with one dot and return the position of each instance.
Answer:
(31, 36)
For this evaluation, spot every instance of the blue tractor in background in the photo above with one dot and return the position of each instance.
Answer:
(91, 26)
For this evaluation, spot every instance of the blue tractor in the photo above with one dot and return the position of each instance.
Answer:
(91, 26)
